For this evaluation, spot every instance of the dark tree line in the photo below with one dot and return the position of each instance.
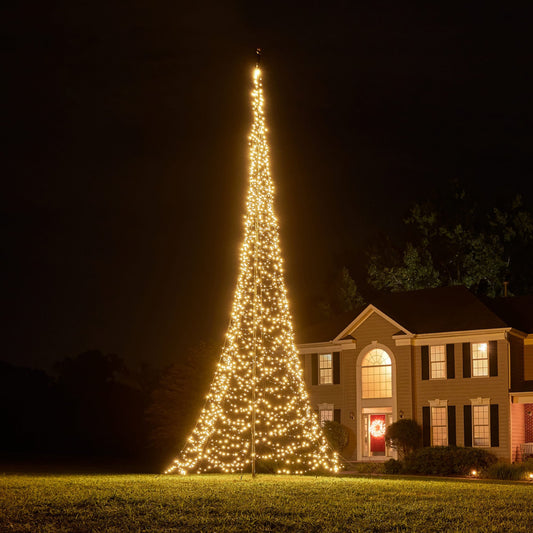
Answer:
(457, 239)
(95, 411)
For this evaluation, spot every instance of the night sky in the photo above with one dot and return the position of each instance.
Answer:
(125, 152)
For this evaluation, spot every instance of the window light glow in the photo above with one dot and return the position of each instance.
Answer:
(480, 359)
(438, 361)
(325, 369)
(376, 374)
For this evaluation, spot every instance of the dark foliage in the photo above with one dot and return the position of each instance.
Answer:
(29, 401)
(90, 413)
(393, 466)
(514, 472)
(447, 461)
(341, 295)
(459, 241)
(177, 399)
(336, 434)
(404, 435)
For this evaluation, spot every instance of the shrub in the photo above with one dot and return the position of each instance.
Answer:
(404, 435)
(515, 471)
(447, 461)
(392, 466)
(337, 435)
(366, 468)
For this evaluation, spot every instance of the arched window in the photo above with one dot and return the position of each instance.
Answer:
(376, 374)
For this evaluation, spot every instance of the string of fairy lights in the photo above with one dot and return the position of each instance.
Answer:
(257, 411)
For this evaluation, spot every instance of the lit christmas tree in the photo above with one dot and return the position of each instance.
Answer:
(257, 413)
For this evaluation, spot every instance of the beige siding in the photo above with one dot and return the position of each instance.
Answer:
(347, 406)
(460, 391)
(377, 329)
(342, 396)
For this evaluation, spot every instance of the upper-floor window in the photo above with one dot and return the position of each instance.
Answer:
(480, 359)
(437, 361)
(325, 365)
(376, 375)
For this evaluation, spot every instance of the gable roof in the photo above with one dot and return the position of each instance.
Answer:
(433, 311)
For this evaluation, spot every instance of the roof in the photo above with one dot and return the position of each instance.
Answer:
(326, 330)
(436, 311)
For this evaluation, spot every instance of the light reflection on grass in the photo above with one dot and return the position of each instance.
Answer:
(268, 503)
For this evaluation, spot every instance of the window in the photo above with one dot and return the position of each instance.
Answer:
(438, 361)
(480, 359)
(439, 426)
(325, 413)
(325, 369)
(376, 375)
(480, 425)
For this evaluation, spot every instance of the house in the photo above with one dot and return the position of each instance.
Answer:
(460, 365)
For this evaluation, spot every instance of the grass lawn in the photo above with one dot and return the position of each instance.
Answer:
(226, 503)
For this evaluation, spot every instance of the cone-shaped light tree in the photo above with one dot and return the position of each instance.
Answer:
(257, 413)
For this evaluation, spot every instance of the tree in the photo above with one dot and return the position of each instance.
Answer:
(341, 296)
(101, 409)
(416, 271)
(257, 412)
(177, 399)
(404, 435)
(459, 242)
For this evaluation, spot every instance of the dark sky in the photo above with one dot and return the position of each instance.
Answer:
(125, 151)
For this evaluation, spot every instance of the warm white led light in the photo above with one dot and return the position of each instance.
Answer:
(258, 409)
(378, 428)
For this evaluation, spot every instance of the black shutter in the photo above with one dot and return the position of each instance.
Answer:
(493, 358)
(426, 427)
(337, 415)
(468, 425)
(450, 361)
(314, 369)
(452, 437)
(425, 363)
(336, 368)
(466, 359)
(494, 426)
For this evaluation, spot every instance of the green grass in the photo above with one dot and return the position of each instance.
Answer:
(115, 503)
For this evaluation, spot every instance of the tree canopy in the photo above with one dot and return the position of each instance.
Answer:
(459, 241)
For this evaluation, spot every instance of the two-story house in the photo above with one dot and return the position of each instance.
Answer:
(461, 366)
